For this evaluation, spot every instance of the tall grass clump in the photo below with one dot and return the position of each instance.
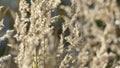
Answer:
(62, 34)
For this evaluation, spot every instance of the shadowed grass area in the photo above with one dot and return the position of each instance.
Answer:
(100, 24)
